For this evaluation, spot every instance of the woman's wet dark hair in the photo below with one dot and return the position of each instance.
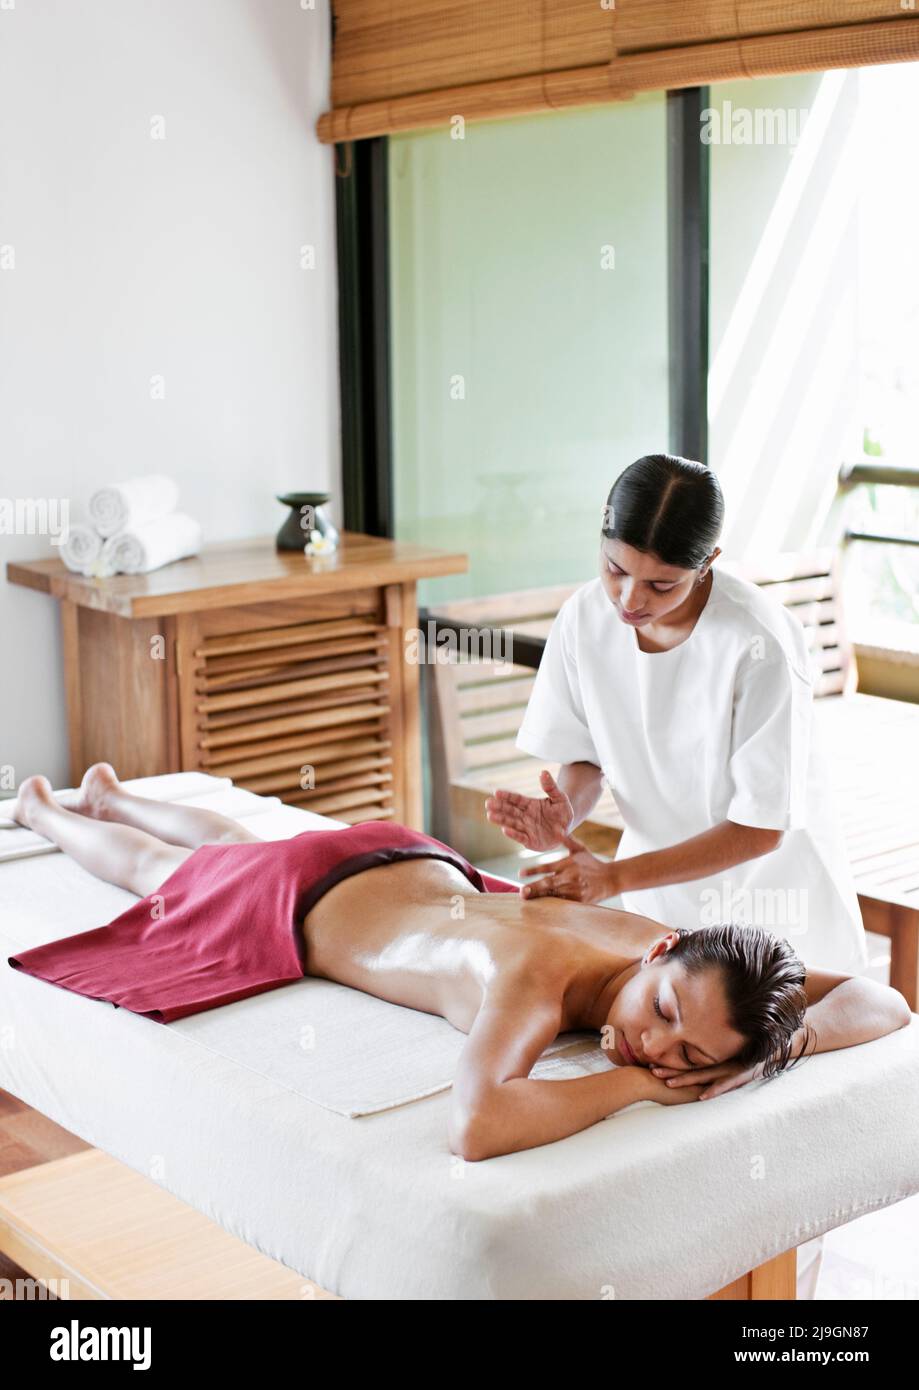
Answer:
(667, 505)
(764, 984)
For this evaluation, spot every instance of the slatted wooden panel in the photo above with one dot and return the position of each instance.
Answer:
(295, 709)
(809, 586)
(479, 707)
(486, 698)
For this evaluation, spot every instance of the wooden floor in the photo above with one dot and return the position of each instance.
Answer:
(27, 1138)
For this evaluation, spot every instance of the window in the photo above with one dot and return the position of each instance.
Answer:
(883, 579)
(814, 316)
(783, 342)
(529, 335)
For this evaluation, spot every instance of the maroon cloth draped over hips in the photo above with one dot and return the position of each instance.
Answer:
(228, 923)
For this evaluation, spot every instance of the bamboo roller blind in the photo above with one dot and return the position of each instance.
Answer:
(414, 64)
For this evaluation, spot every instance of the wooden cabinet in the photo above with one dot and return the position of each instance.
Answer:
(294, 675)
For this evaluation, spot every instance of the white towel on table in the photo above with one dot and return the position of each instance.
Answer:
(141, 549)
(119, 506)
(82, 549)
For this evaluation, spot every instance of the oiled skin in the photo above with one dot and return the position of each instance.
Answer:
(418, 933)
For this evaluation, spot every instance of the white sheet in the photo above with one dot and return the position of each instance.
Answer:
(655, 1202)
(311, 1037)
(275, 820)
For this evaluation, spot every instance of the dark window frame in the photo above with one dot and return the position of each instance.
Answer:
(688, 229)
(364, 321)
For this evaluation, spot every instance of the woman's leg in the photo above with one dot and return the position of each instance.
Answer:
(117, 853)
(104, 798)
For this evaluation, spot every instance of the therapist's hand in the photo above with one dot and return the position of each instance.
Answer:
(581, 876)
(536, 822)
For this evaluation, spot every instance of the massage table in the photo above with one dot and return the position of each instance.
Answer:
(311, 1123)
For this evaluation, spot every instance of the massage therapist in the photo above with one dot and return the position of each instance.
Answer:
(688, 690)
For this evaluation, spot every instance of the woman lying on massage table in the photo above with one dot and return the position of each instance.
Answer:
(398, 914)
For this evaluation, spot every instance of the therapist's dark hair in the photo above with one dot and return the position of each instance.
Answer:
(763, 980)
(667, 505)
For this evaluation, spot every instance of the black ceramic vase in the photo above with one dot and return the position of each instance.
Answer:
(306, 515)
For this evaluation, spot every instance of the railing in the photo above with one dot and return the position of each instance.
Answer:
(887, 474)
(527, 650)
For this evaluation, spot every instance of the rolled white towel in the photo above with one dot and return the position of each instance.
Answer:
(134, 503)
(82, 548)
(156, 543)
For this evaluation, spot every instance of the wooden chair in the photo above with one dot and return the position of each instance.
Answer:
(474, 710)
(810, 587)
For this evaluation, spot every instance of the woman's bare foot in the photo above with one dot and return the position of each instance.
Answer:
(34, 796)
(100, 783)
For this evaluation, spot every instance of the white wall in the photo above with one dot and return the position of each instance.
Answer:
(137, 257)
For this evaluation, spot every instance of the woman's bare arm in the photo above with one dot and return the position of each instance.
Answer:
(844, 1010)
(523, 1113)
(497, 1108)
(583, 877)
(582, 783)
(710, 852)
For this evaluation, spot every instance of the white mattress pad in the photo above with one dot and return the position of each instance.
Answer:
(353, 1185)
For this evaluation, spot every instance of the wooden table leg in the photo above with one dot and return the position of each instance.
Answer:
(775, 1279)
(70, 619)
(904, 952)
(401, 617)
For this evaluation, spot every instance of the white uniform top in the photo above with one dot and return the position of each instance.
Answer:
(718, 728)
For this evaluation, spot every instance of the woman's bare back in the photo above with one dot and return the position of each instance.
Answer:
(417, 933)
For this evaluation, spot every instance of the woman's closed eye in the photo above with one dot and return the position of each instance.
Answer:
(659, 1011)
(658, 587)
